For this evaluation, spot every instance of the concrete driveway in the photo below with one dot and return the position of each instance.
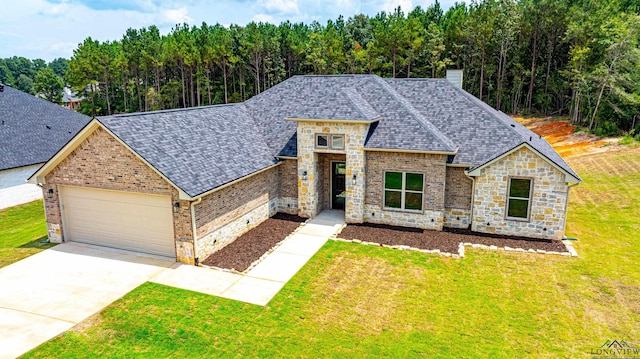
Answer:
(48, 293)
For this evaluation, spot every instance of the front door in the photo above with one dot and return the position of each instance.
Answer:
(338, 193)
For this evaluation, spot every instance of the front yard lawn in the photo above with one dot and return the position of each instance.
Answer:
(359, 301)
(22, 228)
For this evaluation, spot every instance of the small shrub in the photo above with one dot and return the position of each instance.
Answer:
(626, 140)
(607, 128)
(630, 138)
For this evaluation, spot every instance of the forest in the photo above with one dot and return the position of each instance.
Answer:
(575, 58)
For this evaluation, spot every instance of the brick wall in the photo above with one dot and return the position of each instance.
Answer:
(288, 178)
(288, 187)
(457, 198)
(433, 166)
(457, 192)
(547, 210)
(224, 215)
(100, 161)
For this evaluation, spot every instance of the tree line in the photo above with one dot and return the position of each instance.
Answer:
(576, 58)
(35, 76)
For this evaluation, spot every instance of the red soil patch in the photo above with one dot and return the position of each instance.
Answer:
(562, 137)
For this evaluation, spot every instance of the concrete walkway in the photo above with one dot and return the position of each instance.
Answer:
(266, 279)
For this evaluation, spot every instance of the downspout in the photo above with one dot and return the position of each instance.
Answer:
(193, 229)
(473, 196)
(566, 209)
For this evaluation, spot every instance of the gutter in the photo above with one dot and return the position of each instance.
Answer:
(192, 206)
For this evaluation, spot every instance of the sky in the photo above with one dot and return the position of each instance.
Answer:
(49, 29)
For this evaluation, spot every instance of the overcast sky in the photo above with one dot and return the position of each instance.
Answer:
(49, 29)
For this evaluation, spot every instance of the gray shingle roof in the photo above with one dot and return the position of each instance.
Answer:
(481, 132)
(198, 149)
(32, 130)
(332, 97)
(414, 114)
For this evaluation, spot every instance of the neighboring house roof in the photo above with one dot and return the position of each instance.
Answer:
(32, 130)
(70, 96)
(197, 149)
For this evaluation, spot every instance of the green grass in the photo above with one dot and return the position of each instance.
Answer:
(359, 301)
(22, 228)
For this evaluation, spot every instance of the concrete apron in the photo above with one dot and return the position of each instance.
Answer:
(48, 293)
(264, 281)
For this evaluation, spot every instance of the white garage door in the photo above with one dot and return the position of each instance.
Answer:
(125, 220)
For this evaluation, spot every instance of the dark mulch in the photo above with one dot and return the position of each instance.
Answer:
(446, 241)
(249, 247)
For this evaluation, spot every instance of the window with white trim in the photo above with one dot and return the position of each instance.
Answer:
(519, 197)
(403, 190)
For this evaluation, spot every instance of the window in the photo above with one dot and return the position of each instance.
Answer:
(334, 142)
(403, 190)
(519, 198)
(337, 142)
(322, 141)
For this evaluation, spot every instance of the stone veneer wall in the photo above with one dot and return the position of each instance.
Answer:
(457, 198)
(100, 161)
(288, 187)
(308, 190)
(224, 215)
(434, 168)
(547, 213)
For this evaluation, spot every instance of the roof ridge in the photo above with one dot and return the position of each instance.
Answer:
(338, 75)
(446, 141)
(169, 110)
(363, 106)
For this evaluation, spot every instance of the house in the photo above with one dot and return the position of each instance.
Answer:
(409, 152)
(70, 99)
(31, 131)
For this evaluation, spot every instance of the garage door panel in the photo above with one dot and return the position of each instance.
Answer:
(126, 220)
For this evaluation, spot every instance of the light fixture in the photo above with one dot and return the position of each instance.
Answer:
(305, 176)
(50, 193)
(353, 181)
(176, 207)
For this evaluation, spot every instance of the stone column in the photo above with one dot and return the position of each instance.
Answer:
(307, 176)
(354, 206)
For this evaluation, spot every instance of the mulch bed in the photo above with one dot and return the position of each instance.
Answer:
(446, 241)
(249, 247)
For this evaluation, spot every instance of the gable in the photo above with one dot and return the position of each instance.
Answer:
(95, 157)
(102, 161)
(531, 152)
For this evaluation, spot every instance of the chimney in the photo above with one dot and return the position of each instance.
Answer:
(455, 77)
